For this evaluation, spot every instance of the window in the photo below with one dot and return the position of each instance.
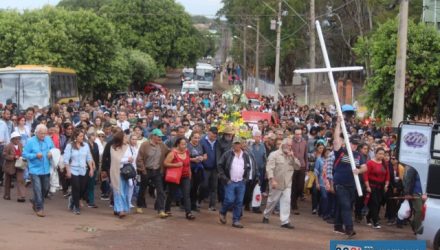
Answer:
(8, 87)
(34, 90)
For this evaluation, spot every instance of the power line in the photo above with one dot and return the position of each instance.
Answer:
(338, 8)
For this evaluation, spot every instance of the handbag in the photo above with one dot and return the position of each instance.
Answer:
(128, 171)
(173, 175)
(21, 163)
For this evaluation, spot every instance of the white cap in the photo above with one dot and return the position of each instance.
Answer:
(15, 135)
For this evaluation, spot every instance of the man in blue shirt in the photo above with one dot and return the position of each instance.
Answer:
(210, 181)
(343, 179)
(258, 150)
(37, 153)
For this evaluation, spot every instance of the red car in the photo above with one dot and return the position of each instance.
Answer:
(152, 86)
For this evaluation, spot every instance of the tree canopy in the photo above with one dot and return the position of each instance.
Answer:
(422, 75)
(342, 22)
(110, 43)
(80, 40)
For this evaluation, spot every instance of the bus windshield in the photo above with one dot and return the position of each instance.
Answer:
(204, 74)
(33, 89)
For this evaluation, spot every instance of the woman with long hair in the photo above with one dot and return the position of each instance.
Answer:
(77, 157)
(65, 139)
(319, 195)
(23, 130)
(98, 124)
(376, 181)
(120, 185)
(363, 150)
(179, 158)
(197, 156)
(395, 189)
(25, 135)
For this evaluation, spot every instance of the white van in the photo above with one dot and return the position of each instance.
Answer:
(205, 74)
(431, 210)
(190, 87)
(430, 230)
(187, 74)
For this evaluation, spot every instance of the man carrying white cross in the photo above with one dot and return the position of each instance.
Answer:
(343, 180)
(346, 168)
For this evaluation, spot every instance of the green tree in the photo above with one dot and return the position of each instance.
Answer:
(77, 39)
(83, 4)
(10, 26)
(142, 67)
(160, 28)
(423, 68)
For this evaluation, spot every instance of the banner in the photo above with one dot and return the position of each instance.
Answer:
(415, 144)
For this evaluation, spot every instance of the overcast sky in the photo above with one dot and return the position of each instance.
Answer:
(194, 7)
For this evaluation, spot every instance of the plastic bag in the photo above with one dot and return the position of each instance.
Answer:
(311, 179)
(256, 196)
(404, 210)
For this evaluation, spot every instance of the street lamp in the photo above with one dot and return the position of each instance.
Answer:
(257, 56)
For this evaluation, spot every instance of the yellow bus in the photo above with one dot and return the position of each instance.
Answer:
(30, 85)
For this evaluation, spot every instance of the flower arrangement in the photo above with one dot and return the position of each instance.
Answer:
(235, 100)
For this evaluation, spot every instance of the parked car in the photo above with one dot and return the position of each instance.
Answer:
(152, 86)
(190, 87)
(431, 210)
(187, 74)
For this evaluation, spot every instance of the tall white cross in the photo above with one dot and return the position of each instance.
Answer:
(329, 70)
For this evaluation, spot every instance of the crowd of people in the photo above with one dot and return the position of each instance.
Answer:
(168, 145)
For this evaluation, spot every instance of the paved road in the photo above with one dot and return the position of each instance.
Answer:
(99, 229)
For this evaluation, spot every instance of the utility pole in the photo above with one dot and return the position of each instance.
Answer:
(244, 70)
(257, 57)
(399, 82)
(312, 52)
(277, 52)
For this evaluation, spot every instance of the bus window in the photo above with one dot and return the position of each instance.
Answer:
(8, 87)
(63, 86)
(55, 88)
(71, 85)
(35, 89)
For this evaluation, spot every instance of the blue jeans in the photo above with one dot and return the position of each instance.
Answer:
(345, 197)
(323, 203)
(121, 202)
(40, 186)
(331, 205)
(234, 194)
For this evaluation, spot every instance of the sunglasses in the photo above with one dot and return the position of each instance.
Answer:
(186, 124)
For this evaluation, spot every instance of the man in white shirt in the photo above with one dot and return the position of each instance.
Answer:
(122, 121)
(233, 170)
